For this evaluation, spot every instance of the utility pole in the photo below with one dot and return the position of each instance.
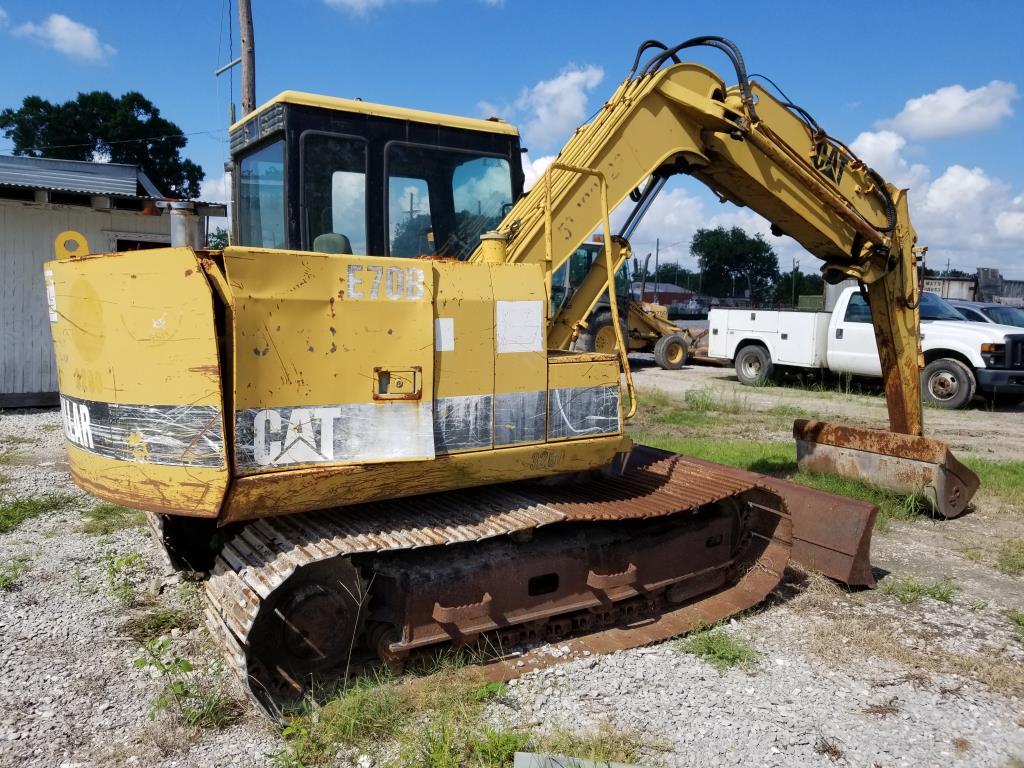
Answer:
(657, 248)
(795, 266)
(248, 45)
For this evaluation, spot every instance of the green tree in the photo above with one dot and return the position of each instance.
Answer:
(732, 263)
(218, 239)
(807, 284)
(126, 129)
(411, 237)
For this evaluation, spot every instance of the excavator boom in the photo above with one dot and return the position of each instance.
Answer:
(756, 151)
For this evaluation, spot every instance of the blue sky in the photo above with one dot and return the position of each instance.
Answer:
(928, 91)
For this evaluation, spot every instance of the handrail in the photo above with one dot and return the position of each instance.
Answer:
(609, 265)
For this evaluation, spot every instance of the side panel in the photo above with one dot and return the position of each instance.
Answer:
(139, 376)
(334, 359)
(799, 339)
(463, 357)
(583, 399)
(520, 355)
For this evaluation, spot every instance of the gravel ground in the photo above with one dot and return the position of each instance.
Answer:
(71, 696)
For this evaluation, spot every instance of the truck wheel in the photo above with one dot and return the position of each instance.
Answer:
(600, 335)
(753, 365)
(670, 352)
(947, 383)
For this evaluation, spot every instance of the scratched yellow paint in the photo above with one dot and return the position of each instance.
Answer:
(463, 296)
(311, 488)
(306, 333)
(137, 328)
(587, 370)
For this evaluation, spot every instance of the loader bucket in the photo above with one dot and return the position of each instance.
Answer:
(889, 460)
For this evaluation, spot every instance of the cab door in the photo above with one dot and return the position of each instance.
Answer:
(851, 344)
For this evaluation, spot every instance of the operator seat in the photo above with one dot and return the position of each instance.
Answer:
(332, 242)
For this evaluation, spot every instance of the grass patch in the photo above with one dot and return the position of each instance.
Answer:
(1017, 620)
(11, 571)
(10, 456)
(157, 622)
(857, 639)
(909, 589)
(1010, 559)
(605, 745)
(706, 399)
(717, 648)
(1001, 478)
(15, 512)
(4, 479)
(104, 519)
(680, 417)
(787, 411)
(432, 722)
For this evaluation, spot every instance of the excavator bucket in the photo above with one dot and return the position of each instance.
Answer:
(889, 460)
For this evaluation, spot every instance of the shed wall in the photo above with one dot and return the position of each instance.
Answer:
(28, 374)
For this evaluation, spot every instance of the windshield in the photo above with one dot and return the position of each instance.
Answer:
(440, 201)
(934, 308)
(1005, 315)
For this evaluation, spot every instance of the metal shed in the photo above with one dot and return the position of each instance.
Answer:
(112, 205)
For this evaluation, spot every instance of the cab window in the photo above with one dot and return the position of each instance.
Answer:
(857, 311)
(333, 193)
(440, 201)
(261, 198)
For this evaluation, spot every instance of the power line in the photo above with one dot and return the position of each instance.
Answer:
(149, 139)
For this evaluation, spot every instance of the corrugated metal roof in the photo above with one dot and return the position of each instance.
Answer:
(73, 176)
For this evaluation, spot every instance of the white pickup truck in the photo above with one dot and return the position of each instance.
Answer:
(962, 359)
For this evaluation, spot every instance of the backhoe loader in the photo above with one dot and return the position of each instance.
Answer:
(364, 417)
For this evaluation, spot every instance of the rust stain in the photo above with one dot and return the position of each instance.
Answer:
(188, 273)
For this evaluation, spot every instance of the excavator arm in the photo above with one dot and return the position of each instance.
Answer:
(753, 150)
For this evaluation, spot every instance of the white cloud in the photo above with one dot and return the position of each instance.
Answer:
(534, 169)
(217, 190)
(358, 7)
(954, 111)
(551, 109)
(883, 151)
(68, 37)
(4, 18)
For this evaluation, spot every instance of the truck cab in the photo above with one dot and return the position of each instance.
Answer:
(962, 359)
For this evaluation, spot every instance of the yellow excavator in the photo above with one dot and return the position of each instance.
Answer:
(364, 418)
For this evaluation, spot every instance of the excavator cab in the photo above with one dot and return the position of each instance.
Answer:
(341, 176)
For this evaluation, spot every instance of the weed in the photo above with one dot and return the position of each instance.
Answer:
(156, 622)
(10, 456)
(829, 747)
(12, 570)
(4, 479)
(706, 399)
(717, 648)
(198, 700)
(864, 638)
(121, 571)
(606, 744)
(1011, 557)
(890, 707)
(15, 512)
(489, 691)
(909, 589)
(1017, 619)
(960, 744)
(104, 519)
(787, 411)
(497, 749)
(678, 417)
(1004, 479)
(979, 605)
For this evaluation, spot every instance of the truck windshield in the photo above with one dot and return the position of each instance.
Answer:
(1005, 315)
(934, 308)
